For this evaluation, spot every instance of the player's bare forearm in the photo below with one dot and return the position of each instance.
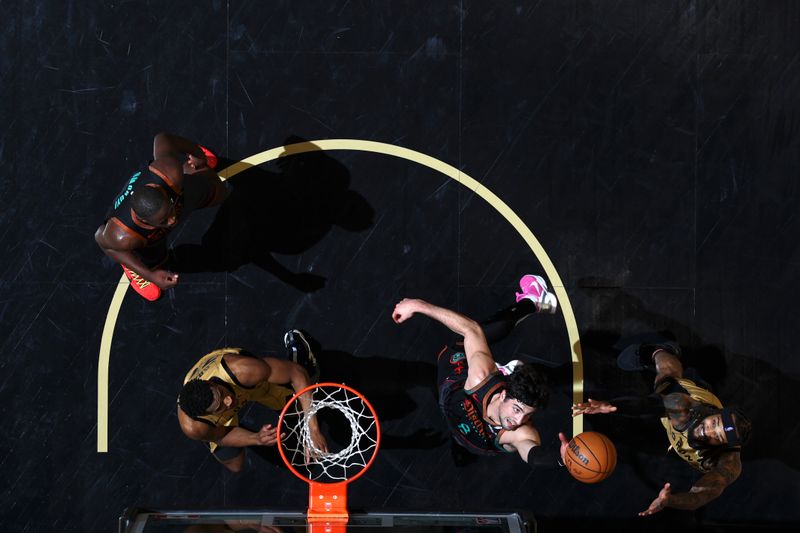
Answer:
(694, 499)
(475, 345)
(301, 380)
(523, 448)
(131, 261)
(238, 438)
(161, 278)
(123, 257)
(479, 356)
(456, 322)
(711, 485)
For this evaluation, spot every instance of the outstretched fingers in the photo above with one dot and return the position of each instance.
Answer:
(268, 435)
(659, 503)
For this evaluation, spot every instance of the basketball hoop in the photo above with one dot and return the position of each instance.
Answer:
(328, 473)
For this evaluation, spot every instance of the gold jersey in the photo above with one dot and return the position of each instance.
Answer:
(212, 367)
(679, 441)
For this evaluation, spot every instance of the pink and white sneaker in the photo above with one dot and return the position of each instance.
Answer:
(534, 288)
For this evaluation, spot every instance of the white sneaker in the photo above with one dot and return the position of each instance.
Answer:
(301, 353)
(508, 368)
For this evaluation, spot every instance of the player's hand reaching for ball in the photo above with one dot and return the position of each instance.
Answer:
(267, 435)
(660, 502)
(563, 448)
(405, 309)
(592, 407)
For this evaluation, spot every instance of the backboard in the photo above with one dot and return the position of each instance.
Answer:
(262, 521)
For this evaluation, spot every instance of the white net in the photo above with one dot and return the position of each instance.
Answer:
(335, 465)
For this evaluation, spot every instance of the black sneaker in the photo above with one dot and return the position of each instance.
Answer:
(299, 351)
(637, 357)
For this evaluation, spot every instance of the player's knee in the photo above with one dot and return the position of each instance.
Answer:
(667, 364)
(236, 465)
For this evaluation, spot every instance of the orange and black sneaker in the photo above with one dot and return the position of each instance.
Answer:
(146, 289)
(211, 158)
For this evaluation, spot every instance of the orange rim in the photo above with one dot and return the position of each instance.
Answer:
(338, 386)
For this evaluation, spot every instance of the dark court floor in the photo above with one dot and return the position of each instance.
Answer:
(650, 146)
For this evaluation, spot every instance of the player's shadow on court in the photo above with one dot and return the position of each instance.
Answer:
(706, 363)
(283, 212)
(383, 381)
(386, 383)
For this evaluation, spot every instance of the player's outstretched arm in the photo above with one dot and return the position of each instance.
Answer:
(705, 489)
(479, 356)
(524, 440)
(240, 437)
(456, 322)
(235, 437)
(282, 372)
(527, 443)
(651, 406)
(660, 502)
(592, 407)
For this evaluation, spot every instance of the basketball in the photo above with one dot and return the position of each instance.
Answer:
(591, 457)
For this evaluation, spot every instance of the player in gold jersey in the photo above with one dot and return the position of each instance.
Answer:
(222, 382)
(700, 430)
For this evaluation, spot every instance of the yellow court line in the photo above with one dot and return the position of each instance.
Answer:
(103, 363)
(403, 153)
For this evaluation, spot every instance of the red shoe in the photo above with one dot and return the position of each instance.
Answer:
(146, 289)
(210, 156)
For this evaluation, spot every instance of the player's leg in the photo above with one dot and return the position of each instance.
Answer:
(298, 349)
(502, 323)
(534, 298)
(662, 357)
(231, 458)
(667, 362)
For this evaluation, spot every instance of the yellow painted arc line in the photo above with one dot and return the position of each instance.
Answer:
(385, 149)
(103, 363)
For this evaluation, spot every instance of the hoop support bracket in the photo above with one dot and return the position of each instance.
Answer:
(327, 507)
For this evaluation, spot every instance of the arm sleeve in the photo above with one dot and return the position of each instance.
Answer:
(539, 458)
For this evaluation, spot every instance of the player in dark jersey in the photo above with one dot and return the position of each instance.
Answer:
(489, 413)
(700, 430)
(177, 181)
